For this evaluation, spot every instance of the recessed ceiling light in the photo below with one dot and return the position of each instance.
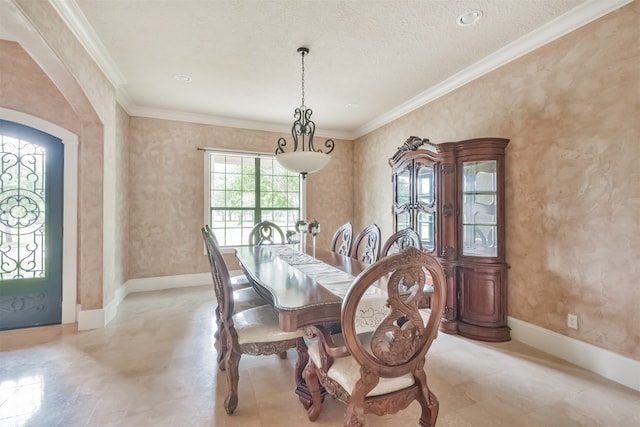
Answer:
(183, 78)
(469, 18)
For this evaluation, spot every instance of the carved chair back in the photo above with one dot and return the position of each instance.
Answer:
(343, 237)
(266, 233)
(402, 339)
(385, 366)
(400, 241)
(220, 274)
(366, 246)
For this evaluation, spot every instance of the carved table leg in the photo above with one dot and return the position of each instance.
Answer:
(302, 391)
(304, 395)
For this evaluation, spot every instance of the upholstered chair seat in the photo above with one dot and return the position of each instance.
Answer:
(246, 298)
(259, 325)
(346, 370)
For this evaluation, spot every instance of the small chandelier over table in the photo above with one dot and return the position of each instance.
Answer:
(304, 158)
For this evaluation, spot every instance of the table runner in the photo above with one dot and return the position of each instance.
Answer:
(372, 308)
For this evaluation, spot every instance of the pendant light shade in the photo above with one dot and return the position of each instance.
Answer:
(304, 158)
(303, 162)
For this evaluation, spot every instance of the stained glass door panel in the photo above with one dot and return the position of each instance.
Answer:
(31, 167)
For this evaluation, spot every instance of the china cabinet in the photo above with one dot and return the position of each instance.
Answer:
(452, 194)
(414, 201)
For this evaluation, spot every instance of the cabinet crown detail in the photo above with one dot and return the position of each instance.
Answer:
(412, 144)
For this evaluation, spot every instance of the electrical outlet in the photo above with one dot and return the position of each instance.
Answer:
(572, 321)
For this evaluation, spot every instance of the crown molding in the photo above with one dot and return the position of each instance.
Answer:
(564, 24)
(80, 27)
(570, 21)
(181, 116)
(125, 101)
(73, 17)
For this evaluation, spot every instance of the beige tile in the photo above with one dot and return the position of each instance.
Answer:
(155, 365)
(491, 413)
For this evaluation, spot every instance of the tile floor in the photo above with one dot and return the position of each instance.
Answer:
(154, 365)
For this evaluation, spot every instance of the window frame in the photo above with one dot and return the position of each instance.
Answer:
(207, 184)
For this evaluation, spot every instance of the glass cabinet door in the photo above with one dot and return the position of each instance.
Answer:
(403, 188)
(479, 207)
(403, 220)
(402, 196)
(425, 229)
(425, 184)
(425, 204)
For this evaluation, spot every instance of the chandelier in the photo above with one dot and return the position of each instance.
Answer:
(304, 158)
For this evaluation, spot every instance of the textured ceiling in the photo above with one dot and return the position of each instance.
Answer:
(370, 61)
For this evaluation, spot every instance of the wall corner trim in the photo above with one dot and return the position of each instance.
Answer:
(603, 362)
(90, 319)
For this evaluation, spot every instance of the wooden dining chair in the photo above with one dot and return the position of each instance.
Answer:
(254, 331)
(366, 246)
(382, 371)
(244, 296)
(266, 233)
(401, 240)
(342, 239)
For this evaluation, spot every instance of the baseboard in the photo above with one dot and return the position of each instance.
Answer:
(167, 282)
(99, 318)
(603, 362)
(90, 319)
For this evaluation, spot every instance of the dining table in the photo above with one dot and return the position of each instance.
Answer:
(306, 289)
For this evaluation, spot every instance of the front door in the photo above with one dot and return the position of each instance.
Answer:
(31, 166)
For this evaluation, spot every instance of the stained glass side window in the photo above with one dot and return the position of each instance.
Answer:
(246, 189)
(22, 209)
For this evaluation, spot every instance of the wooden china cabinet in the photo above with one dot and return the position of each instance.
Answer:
(452, 194)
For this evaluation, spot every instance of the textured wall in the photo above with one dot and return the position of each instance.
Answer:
(25, 87)
(571, 111)
(166, 191)
(92, 98)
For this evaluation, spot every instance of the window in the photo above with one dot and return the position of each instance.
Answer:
(244, 189)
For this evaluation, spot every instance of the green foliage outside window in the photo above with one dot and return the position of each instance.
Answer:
(246, 189)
